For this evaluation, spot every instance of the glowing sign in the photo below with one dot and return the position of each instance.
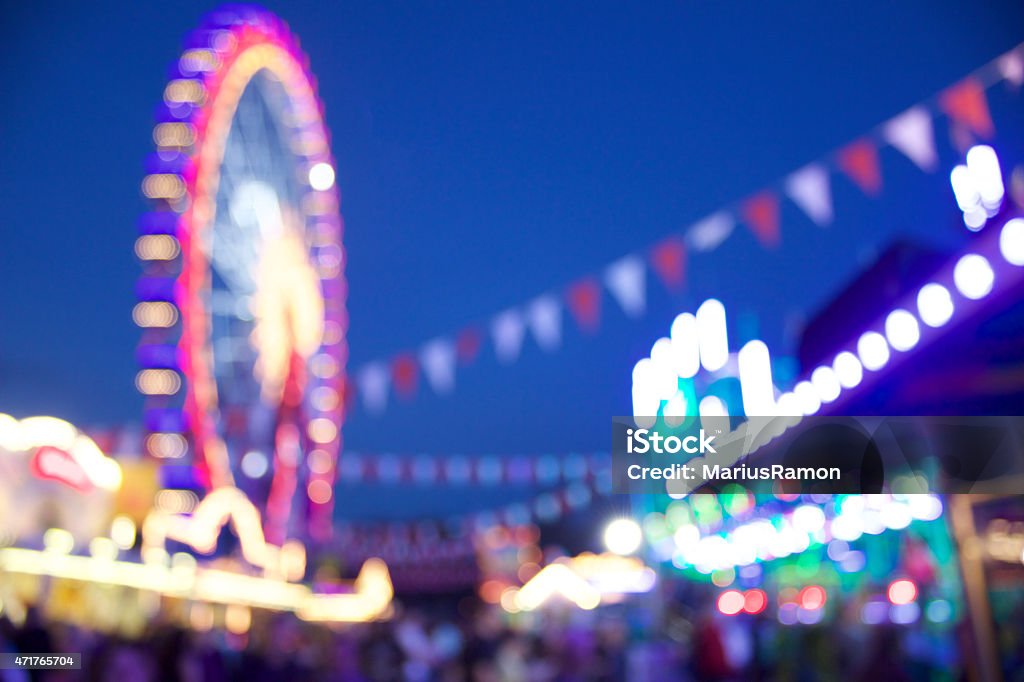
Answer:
(54, 464)
(366, 598)
(61, 452)
(585, 581)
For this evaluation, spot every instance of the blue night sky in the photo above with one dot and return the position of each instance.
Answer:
(487, 153)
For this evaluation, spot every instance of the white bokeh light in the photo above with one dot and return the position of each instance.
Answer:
(826, 384)
(808, 518)
(665, 384)
(873, 351)
(321, 176)
(902, 330)
(807, 397)
(712, 334)
(1011, 241)
(983, 165)
(685, 349)
(848, 369)
(675, 409)
(756, 387)
(254, 464)
(623, 536)
(934, 305)
(964, 188)
(973, 276)
(789, 406)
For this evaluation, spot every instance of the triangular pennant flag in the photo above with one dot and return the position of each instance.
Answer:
(761, 213)
(809, 189)
(1011, 67)
(966, 104)
(508, 329)
(707, 234)
(373, 386)
(668, 258)
(467, 345)
(404, 372)
(859, 160)
(438, 360)
(626, 279)
(911, 133)
(544, 316)
(584, 298)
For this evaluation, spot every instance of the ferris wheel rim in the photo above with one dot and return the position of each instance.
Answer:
(216, 68)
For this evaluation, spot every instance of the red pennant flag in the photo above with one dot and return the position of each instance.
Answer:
(761, 213)
(404, 373)
(584, 299)
(668, 259)
(965, 103)
(467, 345)
(859, 160)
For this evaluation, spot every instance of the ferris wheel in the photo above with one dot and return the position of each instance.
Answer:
(242, 299)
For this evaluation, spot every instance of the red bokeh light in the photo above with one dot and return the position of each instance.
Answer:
(812, 597)
(755, 601)
(731, 602)
(902, 592)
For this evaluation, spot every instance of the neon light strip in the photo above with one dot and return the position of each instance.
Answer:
(795, 531)
(371, 599)
(960, 290)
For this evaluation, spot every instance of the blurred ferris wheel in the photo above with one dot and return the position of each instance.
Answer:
(242, 299)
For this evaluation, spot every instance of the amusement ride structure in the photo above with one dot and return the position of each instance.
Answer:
(242, 300)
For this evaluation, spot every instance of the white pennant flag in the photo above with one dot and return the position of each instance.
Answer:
(911, 133)
(809, 189)
(1011, 67)
(710, 232)
(626, 279)
(373, 386)
(508, 329)
(438, 360)
(544, 316)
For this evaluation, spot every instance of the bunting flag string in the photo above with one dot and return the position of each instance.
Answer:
(427, 537)
(964, 104)
(566, 483)
(461, 470)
